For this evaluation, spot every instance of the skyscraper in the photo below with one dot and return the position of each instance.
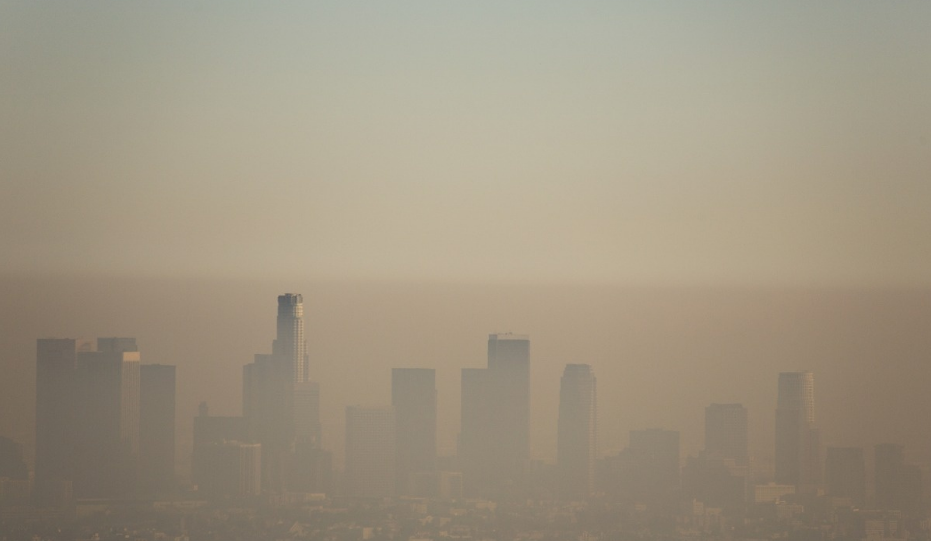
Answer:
(413, 395)
(278, 403)
(509, 362)
(156, 428)
(494, 444)
(289, 342)
(798, 452)
(107, 404)
(56, 360)
(845, 474)
(370, 451)
(576, 432)
(898, 485)
(726, 434)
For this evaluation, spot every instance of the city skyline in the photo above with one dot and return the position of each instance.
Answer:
(446, 429)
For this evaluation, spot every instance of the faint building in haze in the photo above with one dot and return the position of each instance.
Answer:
(370, 451)
(845, 474)
(157, 387)
(576, 442)
(726, 433)
(56, 415)
(798, 442)
(494, 444)
(107, 438)
(413, 396)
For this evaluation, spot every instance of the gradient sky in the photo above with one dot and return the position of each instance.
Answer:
(663, 142)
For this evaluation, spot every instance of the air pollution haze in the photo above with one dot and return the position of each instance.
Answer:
(680, 201)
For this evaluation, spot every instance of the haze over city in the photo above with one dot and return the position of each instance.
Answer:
(690, 199)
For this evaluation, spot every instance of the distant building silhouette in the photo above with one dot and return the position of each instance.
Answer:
(12, 465)
(726, 433)
(107, 436)
(232, 469)
(413, 395)
(494, 443)
(798, 442)
(370, 451)
(576, 442)
(157, 428)
(280, 405)
(845, 474)
(289, 342)
(720, 475)
(898, 485)
(210, 433)
(56, 415)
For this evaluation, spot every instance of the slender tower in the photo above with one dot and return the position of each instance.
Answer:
(577, 432)
(413, 395)
(798, 456)
(289, 342)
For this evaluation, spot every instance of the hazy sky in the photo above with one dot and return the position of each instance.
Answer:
(167, 168)
(661, 142)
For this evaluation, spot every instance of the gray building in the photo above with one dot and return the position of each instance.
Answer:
(370, 451)
(157, 428)
(413, 395)
(576, 441)
(107, 405)
(494, 445)
(845, 474)
(726, 434)
(56, 414)
(798, 442)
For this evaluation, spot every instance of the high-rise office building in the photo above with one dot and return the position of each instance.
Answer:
(56, 360)
(494, 445)
(12, 465)
(726, 434)
(289, 342)
(898, 485)
(647, 471)
(509, 362)
(307, 412)
(370, 451)
(309, 466)
(268, 410)
(413, 395)
(231, 469)
(107, 404)
(845, 474)
(156, 428)
(209, 432)
(798, 445)
(576, 432)
(280, 404)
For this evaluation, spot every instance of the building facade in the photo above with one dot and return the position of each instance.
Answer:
(798, 442)
(576, 440)
(157, 387)
(494, 444)
(370, 451)
(413, 395)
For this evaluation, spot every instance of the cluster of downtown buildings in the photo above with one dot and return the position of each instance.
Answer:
(105, 430)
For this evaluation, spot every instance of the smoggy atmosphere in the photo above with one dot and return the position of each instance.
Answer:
(677, 204)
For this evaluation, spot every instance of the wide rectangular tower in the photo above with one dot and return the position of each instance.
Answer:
(726, 434)
(494, 443)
